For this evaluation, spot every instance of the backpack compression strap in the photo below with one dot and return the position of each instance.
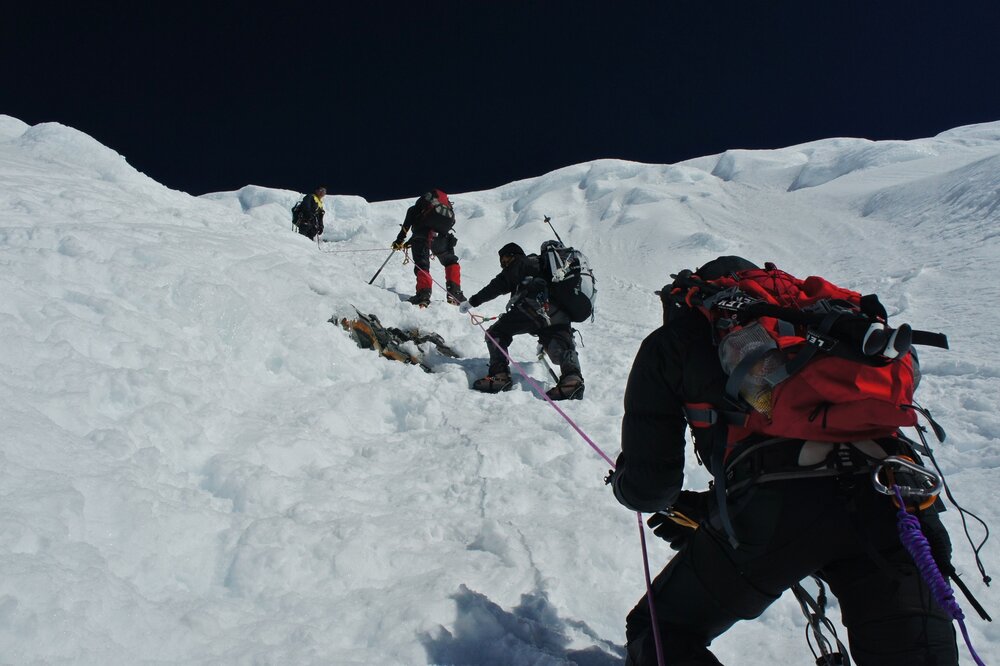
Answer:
(819, 319)
(704, 416)
(690, 290)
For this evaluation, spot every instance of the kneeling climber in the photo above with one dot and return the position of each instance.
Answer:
(529, 311)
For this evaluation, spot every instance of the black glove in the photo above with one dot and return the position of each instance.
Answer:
(676, 524)
(672, 532)
(398, 243)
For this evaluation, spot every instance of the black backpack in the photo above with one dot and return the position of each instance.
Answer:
(298, 211)
(435, 212)
(571, 280)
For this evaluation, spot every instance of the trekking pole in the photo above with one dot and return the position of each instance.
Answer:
(382, 266)
(548, 221)
(541, 357)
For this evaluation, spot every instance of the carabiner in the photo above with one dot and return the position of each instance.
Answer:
(915, 492)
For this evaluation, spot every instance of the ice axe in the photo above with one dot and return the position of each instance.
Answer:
(549, 222)
(382, 266)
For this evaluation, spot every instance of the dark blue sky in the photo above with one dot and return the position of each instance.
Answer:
(386, 99)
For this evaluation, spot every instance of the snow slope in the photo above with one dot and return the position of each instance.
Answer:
(197, 468)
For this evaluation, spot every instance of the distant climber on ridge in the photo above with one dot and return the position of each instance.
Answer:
(307, 215)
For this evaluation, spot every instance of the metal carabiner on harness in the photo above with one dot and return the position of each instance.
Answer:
(915, 482)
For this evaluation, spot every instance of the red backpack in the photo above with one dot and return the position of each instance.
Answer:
(805, 359)
(437, 198)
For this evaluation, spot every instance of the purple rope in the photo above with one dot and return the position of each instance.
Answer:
(920, 550)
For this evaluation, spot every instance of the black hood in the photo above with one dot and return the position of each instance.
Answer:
(511, 249)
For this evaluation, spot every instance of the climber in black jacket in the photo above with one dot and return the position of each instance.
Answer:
(529, 311)
(834, 526)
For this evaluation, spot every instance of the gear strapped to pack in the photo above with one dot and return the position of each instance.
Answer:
(565, 282)
(437, 202)
(571, 282)
(435, 212)
(431, 212)
(805, 360)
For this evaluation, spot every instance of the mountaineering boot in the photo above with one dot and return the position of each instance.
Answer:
(881, 340)
(570, 387)
(421, 298)
(501, 381)
(899, 342)
(455, 295)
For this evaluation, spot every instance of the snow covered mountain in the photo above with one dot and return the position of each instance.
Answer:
(197, 468)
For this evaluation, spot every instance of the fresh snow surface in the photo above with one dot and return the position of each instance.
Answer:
(197, 468)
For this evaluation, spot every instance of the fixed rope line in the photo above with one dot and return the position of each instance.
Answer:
(374, 249)
(642, 532)
(538, 389)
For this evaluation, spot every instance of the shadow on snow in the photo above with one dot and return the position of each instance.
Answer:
(532, 633)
